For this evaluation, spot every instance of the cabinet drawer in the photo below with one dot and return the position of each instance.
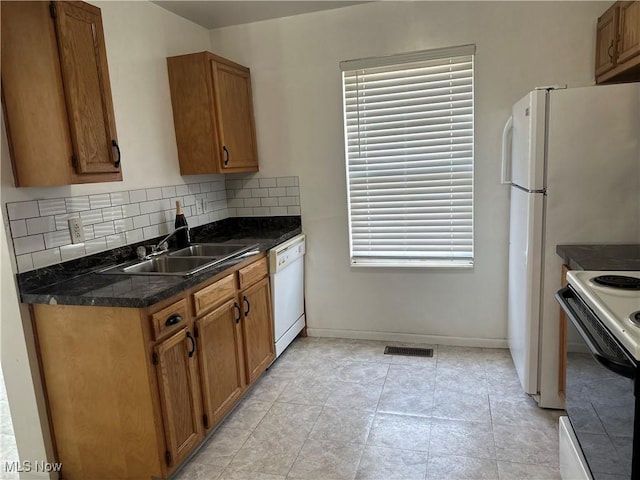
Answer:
(252, 273)
(213, 295)
(169, 318)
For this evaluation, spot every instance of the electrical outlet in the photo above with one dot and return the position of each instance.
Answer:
(76, 230)
(199, 206)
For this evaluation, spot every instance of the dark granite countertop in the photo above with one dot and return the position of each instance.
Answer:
(77, 282)
(601, 257)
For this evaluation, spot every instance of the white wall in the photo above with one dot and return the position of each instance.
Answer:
(297, 98)
(139, 36)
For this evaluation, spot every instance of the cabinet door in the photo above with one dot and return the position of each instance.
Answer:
(33, 96)
(85, 77)
(194, 119)
(221, 360)
(606, 33)
(179, 395)
(257, 328)
(628, 31)
(234, 110)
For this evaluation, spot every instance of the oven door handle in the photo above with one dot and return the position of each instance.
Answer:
(626, 369)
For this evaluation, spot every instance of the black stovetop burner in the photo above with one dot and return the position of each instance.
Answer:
(618, 281)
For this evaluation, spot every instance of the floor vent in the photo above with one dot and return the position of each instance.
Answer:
(410, 351)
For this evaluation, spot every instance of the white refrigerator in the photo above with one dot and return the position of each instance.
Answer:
(574, 172)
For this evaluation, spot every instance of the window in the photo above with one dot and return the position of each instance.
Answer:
(409, 155)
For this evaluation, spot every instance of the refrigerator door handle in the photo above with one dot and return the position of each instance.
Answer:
(505, 177)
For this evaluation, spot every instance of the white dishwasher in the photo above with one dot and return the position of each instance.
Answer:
(286, 269)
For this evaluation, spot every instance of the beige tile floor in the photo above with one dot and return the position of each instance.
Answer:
(333, 409)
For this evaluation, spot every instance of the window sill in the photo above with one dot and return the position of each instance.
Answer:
(413, 263)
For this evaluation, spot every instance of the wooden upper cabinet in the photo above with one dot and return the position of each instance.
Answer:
(606, 33)
(85, 76)
(213, 114)
(234, 109)
(618, 44)
(56, 94)
(629, 31)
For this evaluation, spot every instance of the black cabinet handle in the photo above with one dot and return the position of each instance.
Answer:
(226, 154)
(244, 299)
(193, 344)
(172, 320)
(115, 145)
(610, 50)
(235, 305)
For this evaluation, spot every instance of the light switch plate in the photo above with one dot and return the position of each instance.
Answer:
(76, 230)
(199, 206)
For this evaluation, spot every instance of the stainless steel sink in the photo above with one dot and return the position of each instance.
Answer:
(212, 250)
(172, 265)
(186, 261)
(164, 265)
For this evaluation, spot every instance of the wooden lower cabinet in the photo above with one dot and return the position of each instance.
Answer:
(179, 394)
(236, 340)
(257, 328)
(221, 360)
(101, 391)
(132, 392)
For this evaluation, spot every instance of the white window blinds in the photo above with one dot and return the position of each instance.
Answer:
(409, 153)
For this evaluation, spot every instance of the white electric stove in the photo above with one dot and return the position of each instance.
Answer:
(615, 299)
(600, 436)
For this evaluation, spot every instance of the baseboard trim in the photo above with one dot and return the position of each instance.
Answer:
(409, 338)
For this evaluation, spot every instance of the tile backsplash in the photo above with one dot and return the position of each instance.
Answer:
(40, 229)
(263, 197)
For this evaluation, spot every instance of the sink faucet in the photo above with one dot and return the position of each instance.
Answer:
(158, 249)
(159, 246)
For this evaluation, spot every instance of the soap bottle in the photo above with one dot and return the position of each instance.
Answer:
(182, 236)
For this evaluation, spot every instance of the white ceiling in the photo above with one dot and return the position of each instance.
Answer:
(214, 14)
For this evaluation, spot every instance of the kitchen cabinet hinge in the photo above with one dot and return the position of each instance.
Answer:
(167, 457)
(74, 161)
(195, 331)
(154, 358)
(52, 10)
(205, 420)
